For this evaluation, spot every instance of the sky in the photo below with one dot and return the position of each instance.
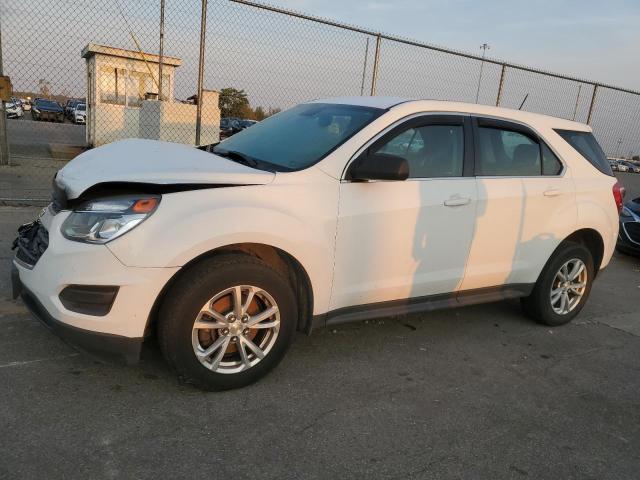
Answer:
(591, 39)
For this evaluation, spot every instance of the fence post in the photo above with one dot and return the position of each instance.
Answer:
(575, 109)
(501, 84)
(203, 31)
(4, 139)
(161, 52)
(376, 61)
(364, 69)
(593, 101)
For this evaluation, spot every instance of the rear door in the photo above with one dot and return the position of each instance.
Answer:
(525, 205)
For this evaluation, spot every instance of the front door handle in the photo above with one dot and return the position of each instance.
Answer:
(552, 192)
(457, 201)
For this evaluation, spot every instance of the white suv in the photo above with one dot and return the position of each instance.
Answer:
(333, 211)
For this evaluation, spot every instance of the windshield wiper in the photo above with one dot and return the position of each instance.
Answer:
(249, 161)
(238, 157)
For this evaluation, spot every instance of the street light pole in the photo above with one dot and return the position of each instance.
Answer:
(484, 47)
(618, 151)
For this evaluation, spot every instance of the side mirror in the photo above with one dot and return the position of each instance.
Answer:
(378, 166)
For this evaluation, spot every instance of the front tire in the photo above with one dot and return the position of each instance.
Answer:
(227, 321)
(563, 286)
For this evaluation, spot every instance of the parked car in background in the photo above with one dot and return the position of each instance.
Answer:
(70, 107)
(629, 234)
(614, 165)
(228, 126)
(246, 124)
(14, 110)
(622, 167)
(79, 114)
(26, 105)
(631, 167)
(50, 110)
(333, 211)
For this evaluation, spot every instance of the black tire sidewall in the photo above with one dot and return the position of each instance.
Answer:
(543, 311)
(183, 303)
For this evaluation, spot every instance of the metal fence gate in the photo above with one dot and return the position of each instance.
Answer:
(117, 57)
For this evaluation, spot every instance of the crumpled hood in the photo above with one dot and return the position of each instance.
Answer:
(153, 162)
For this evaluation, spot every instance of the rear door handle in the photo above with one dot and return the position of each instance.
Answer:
(457, 201)
(552, 192)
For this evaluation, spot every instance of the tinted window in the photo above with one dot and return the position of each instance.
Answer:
(550, 163)
(506, 153)
(587, 146)
(301, 136)
(432, 151)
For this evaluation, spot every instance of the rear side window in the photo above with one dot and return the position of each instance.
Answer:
(550, 163)
(507, 153)
(587, 146)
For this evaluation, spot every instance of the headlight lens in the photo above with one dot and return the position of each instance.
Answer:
(100, 221)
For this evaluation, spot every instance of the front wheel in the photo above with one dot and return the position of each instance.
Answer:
(227, 321)
(563, 286)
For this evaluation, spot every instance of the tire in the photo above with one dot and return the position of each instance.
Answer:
(539, 305)
(196, 287)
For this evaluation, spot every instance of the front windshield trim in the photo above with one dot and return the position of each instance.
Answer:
(376, 113)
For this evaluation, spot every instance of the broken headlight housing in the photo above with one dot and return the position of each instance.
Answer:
(100, 221)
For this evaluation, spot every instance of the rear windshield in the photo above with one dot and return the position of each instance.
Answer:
(587, 146)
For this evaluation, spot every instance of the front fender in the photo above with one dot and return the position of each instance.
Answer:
(298, 220)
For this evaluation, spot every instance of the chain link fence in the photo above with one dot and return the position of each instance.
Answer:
(112, 69)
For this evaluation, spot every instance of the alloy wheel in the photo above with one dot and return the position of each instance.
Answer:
(235, 329)
(568, 286)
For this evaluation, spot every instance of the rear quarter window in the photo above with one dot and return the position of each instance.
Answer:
(587, 146)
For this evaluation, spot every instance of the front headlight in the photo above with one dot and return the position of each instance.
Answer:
(100, 221)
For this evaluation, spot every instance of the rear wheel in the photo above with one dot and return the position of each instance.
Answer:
(227, 322)
(563, 287)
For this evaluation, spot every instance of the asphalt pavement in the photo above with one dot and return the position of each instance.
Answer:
(478, 392)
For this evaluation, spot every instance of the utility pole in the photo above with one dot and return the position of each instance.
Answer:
(484, 47)
(161, 53)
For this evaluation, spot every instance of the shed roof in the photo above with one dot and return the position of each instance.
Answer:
(93, 49)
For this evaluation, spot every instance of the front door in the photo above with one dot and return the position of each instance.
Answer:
(407, 239)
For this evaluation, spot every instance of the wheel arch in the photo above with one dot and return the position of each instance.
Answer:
(273, 256)
(593, 241)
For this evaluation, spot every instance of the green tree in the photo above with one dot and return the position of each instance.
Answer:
(234, 103)
(259, 114)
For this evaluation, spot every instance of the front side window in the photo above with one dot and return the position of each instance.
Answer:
(432, 151)
(506, 153)
(299, 137)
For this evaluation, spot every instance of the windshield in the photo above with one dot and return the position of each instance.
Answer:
(82, 107)
(301, 136)
(48, 103)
